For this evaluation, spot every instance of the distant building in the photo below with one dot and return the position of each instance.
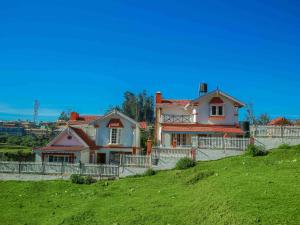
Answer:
(16, 131)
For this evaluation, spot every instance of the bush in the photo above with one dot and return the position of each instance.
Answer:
(284, 146)
(185, 163)
(89, 180)
(149, 172)
(255, 150)
(79, 179)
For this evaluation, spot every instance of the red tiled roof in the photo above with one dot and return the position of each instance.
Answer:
(143, 125)
(280, 121)
(61, 148)
(176, 102)
(85, 119)
(85, 137)
(201, 128)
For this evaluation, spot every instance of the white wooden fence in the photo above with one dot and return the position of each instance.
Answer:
(275, 131)
(223, 143)
(142, 161)
(59, 168)
(159, 152)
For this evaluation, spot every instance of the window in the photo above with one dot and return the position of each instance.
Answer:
(59, 158)
(180, 139)
(115, 135)
(217, 110)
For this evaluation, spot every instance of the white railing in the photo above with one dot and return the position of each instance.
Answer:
(59, 168)
(223, 143)
(159, 152)
(275, 131)
(135, 161)
(177, 118)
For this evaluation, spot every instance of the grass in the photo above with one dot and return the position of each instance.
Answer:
(13, 148)
(237, 190)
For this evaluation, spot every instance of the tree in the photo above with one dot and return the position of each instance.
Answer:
(64, 116)
(263, 119)
(250, 113)
(111, 108)
(139, 107)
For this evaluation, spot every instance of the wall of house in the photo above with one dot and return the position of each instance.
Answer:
(128, 138)
(85, 156)
(203, 113)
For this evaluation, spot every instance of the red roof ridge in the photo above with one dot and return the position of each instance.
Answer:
(84, 137)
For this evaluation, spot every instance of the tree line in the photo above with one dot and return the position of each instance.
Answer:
(139, 107)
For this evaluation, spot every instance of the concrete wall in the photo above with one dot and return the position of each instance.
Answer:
(208, 154)
(270, 143)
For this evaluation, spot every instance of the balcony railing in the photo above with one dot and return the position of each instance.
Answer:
(177, 118)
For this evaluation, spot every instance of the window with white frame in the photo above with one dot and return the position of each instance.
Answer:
(115, 135)
(216, 110)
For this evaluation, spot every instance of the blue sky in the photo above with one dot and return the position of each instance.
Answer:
(83, 55)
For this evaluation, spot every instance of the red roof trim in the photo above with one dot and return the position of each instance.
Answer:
(216, 100)
(85, 138)
(115, 123)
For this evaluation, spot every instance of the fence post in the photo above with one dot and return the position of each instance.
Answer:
(43, 167)
(80, 167)
(19, 167)
(62, 168)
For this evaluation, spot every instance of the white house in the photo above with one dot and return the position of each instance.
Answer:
(182, 122)
(93, 139)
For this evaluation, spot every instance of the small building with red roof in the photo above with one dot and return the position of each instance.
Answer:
(211, 114)
(280, 121)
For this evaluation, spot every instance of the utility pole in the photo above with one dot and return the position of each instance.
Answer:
(36, 110)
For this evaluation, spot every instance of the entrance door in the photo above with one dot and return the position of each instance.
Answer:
(101, 158)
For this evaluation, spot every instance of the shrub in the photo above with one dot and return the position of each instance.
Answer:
(199, 176)
(255, 150)
(89, 180)
(77, 179)
(149, 172)
(284, 146)
(185, 163)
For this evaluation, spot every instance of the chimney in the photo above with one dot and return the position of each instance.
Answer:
(158, 97)
(202, 89)
(74, 116)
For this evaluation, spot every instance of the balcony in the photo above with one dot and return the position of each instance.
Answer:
(177, 118)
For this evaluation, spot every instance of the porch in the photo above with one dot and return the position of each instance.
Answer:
(203, 141)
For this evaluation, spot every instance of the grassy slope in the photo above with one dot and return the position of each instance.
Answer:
(13, 148)
(243, 190)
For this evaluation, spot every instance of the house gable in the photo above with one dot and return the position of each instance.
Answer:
(217, 95)
(68, 137)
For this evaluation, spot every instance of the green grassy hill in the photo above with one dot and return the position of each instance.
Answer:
(238, 190)
(13, 148)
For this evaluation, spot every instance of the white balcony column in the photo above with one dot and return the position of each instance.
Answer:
(194, 116)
